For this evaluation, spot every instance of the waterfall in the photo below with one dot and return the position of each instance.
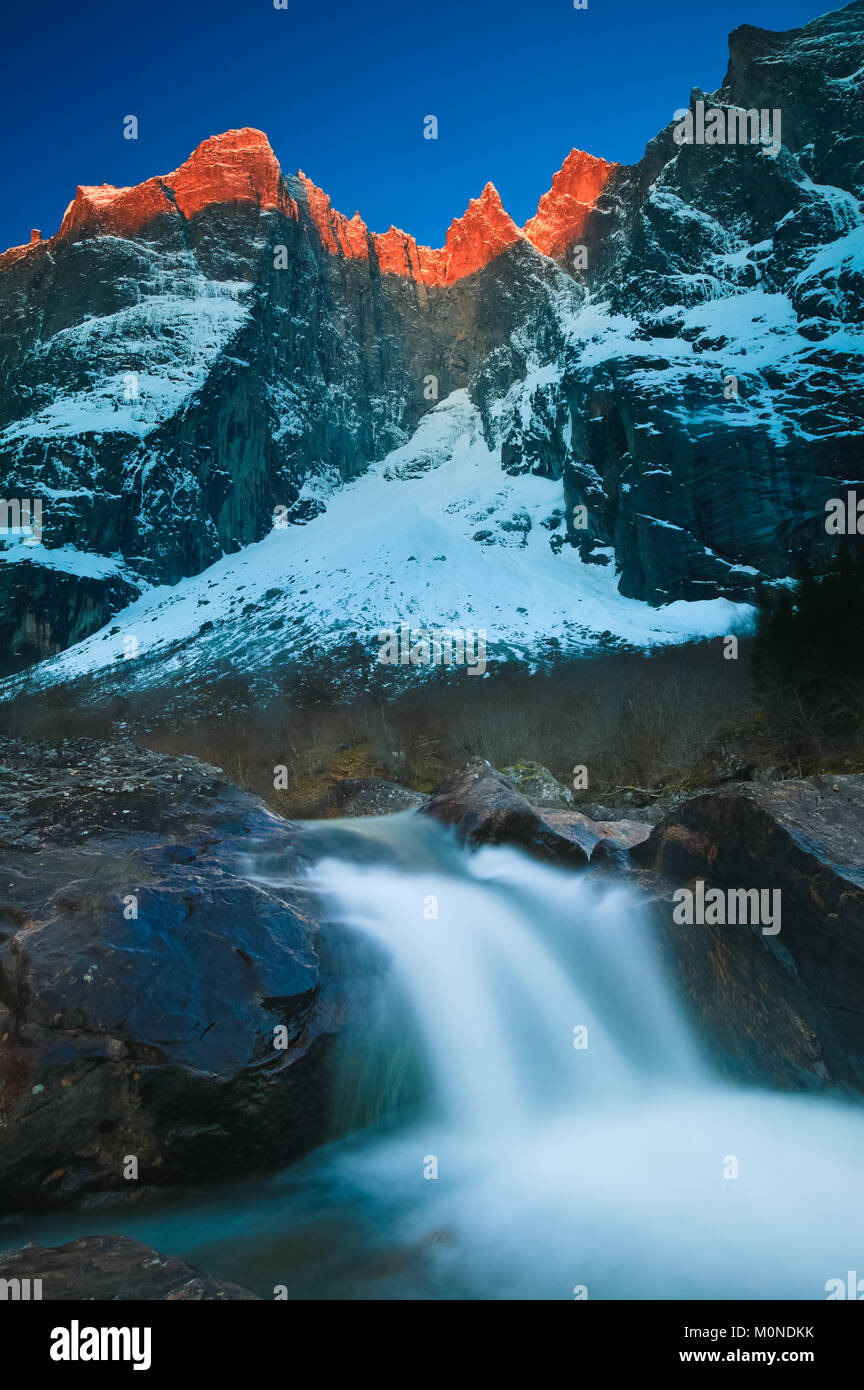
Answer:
(619, 1168)
(531, 990)
(502, 1161)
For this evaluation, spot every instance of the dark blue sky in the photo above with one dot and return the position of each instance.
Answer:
(342, 90)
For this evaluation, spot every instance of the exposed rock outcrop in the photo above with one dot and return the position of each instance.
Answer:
(371, 796)
(563, 211)
(164, 1017)
(537, 783)
(182, 358)
(112, 1268)
(485, 808)
(785, 1006)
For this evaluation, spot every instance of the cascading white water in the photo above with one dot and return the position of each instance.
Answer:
(609, 1167)
(533, 1169)
(532, 990)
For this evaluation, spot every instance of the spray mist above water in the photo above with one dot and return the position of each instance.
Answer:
(579, 1138)
(488, 1157)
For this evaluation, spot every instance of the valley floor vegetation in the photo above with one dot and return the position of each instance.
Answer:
(790, 703)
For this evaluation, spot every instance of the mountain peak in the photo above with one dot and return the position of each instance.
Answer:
(473, 239)
(235, 167)
(482, 232)
(562, 212)
(239, 166)
(350, 236)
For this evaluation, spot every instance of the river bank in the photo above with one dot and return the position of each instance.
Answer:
(368, 1057)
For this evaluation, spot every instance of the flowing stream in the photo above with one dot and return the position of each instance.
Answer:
(544, 1123)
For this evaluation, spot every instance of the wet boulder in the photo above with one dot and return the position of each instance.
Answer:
(111, 1268)
(371, 796)
(164, 1016)
(537, 783)
(779, 1002)
(485, 808)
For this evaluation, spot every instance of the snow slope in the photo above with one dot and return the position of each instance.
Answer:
(149, 358)
(435, 535)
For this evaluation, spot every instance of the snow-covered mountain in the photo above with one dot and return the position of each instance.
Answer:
(409, 551)
(259, 429)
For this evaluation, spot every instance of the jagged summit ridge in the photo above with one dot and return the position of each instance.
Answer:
(239, 166)
(563, 211)
(690, 389)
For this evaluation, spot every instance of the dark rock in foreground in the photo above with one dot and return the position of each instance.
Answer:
(536, 782)
(485, 808)
(597, 836)
(112, 1268)
(370, 796)
(786, 1008)
(143, 972)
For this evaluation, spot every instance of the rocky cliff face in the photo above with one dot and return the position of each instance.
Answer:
(729, 260)
(802, 837)
(183, 359)
(156, 997)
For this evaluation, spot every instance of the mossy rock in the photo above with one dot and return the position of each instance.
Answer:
(536, 783)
